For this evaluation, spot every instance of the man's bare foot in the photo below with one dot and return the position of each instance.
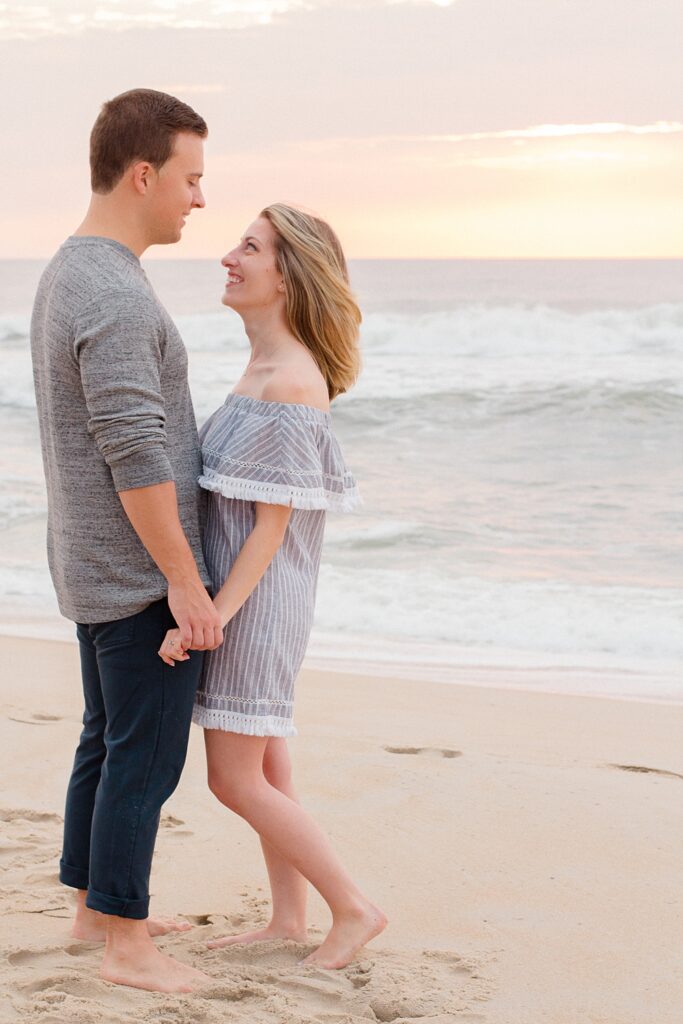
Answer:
(164, 925)
(152, 970)
(271, 931)
(94, 930)
(348, 934)
(91, 926)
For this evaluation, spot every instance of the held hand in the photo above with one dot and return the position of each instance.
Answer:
(198, 621)
(171, 649)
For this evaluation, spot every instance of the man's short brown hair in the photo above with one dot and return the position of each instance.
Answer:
(137, 125)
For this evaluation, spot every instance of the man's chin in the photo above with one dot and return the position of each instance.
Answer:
(168, 237)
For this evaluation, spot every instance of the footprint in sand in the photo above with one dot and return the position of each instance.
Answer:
(202, 920)
(48, 986)
(168, 821)
(15, 814)
(171, 826)
(34, 719)
(425, 751)
(437, 985)
(386, 985)
(28, 956)
(646, 771)
(63, 981)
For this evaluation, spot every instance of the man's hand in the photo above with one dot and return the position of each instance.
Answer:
(199, 623)
(153, 512)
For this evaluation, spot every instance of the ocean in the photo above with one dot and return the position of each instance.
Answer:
(516, 433)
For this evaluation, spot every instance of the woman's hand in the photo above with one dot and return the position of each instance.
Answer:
(171, 649)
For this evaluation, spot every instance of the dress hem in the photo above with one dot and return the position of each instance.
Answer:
(249, 725)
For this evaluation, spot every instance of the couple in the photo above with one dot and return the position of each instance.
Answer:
(144, 524)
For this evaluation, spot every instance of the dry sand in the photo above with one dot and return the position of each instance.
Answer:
(526, 847)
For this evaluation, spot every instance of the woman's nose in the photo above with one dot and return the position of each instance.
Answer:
(228, 260)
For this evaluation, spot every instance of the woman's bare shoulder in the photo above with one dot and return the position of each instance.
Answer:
(297, 385)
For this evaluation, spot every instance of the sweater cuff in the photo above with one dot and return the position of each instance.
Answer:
(142, 469)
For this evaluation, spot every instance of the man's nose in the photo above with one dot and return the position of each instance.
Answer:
(199, 200)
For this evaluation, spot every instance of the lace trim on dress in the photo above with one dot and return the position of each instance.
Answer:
(280, 494)
(250, 725)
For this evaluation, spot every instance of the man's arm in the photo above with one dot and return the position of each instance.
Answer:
(117, 347)
(153, 512)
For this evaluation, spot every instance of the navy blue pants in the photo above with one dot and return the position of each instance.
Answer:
(131, 752)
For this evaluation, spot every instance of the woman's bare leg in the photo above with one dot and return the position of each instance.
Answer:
(236, 777)
(287, 885)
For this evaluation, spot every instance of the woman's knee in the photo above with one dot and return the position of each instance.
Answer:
(220, 787)
(233, 793)
(237, 770)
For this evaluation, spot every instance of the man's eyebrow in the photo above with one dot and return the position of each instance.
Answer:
(196, 174)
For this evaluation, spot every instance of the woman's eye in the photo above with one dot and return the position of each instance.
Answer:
(250, 245)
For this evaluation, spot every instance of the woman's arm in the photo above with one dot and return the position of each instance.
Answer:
(257, 553)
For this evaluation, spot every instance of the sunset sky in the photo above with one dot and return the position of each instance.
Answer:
(469, 128)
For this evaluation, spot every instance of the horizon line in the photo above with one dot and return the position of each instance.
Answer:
(407, 259)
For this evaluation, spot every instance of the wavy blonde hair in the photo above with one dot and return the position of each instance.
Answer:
(321, 309)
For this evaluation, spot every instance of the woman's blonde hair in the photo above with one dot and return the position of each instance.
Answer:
(321, 310)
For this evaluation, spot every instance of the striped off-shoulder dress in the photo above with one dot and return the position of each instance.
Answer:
(282, 454)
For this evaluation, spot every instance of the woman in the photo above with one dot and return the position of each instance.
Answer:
(273, 468)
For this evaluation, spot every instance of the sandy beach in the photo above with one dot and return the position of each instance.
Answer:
(526, 847)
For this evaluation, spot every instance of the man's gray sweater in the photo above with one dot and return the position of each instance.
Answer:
(115, 413)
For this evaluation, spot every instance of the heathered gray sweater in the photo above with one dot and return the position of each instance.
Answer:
(115, 413)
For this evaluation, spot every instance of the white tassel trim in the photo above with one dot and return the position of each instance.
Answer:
(249, 725)
(280, 494)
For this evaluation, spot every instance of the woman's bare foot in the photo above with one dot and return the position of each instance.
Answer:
(349, 932)
(271, 931)
(151, 970)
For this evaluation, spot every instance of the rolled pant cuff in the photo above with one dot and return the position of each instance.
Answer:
(77, 878)
(136, 910)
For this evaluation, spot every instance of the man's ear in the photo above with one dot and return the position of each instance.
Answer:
(141, 173)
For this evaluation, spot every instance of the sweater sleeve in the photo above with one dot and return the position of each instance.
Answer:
(117, 346)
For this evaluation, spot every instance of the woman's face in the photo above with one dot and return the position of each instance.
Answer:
(254, 281)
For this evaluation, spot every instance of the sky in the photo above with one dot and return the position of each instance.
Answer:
(419, 129)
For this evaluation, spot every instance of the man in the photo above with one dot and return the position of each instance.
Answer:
(121, 458)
